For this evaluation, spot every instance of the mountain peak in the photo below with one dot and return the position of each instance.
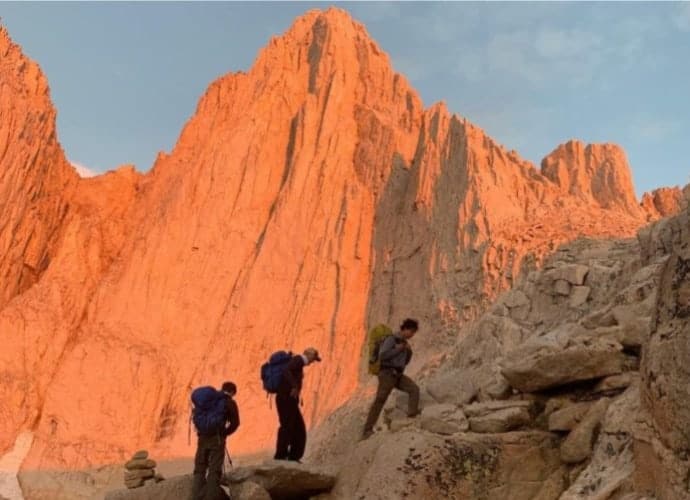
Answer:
(595, 173)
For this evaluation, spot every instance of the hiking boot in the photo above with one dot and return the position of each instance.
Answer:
(415, 414)
(366, 435)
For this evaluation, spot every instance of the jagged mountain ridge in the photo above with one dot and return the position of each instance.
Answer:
(304, 199)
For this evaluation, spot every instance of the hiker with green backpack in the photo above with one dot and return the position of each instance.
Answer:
(389, 354)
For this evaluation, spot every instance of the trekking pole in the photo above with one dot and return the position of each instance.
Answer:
(189, 430)
(227, 454)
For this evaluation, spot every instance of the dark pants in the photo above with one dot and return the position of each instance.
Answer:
(210, 453)
(390, 379)
(292, 434)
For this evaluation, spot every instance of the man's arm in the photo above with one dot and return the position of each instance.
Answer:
(293, 365)
(389, 348)
(233, 417)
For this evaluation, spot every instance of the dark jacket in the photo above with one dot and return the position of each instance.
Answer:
(292, 376)
(232, 417)
(392, 358)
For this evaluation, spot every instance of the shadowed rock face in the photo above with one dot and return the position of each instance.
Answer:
(304, 200)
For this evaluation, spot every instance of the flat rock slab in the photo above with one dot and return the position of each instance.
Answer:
(534, 367)
(180, 488)
(175, 487)
(287, 480)
(499, 421)
(485, 408)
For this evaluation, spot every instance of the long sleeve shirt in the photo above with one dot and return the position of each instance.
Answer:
(390, 356)
(292, 376)
(232, 417)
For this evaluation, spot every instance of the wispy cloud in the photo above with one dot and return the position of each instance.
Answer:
(539, 45)
(653, 129)
(83, 171)
(682, 17)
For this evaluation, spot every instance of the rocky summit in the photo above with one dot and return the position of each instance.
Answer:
(304, 201)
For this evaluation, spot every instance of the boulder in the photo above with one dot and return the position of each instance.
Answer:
(283, 479)
(567, 418)
(579, 295)
(611, 466)
(396, 419)
(615, 382)
(463, 466)
(517, 303)
(561, 287)
(249, 490)
(496, 418)
(573, 274)
(140, 455)
(497, 388)
(488, 407)
(444, 419)
(451, 387)
(561, 357)
(578, 445)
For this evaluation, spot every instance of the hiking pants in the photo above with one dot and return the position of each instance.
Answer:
(210, 453)
(292, 434)
(390, 379)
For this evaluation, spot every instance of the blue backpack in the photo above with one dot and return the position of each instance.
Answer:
(209, 412)
(272, 372)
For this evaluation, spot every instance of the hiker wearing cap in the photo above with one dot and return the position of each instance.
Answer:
(394, 354)
(216, 417)
(292, 433)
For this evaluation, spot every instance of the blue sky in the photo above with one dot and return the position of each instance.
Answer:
(125, 77)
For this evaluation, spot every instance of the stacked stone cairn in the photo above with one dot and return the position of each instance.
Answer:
(141, 470)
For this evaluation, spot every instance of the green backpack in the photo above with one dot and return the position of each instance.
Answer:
(376, 336)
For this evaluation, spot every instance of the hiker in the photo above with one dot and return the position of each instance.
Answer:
(216, 417)
(292, 433)
(394, 354)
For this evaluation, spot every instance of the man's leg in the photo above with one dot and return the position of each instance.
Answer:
(200, 466)
(406, 384)
(298, 434)
(282, 405)
(216, 456)
(387, 380)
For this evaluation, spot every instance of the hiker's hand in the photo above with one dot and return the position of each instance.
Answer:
(294, 393)
(403, 346)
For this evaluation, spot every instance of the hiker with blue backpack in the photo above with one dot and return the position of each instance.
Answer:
(215, 416)
(390, 354)
(282, 376)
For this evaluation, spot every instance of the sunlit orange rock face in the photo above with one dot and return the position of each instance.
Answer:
(303, 200)
(663, 202)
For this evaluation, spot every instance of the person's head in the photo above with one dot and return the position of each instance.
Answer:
(312, 355)
(229, 388)
(408, 328)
